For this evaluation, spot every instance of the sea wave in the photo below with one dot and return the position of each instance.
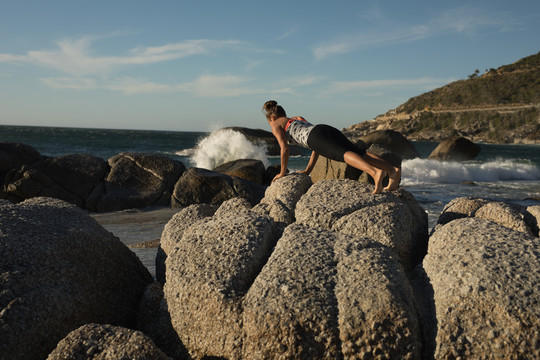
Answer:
(424, 171)
(222, 146)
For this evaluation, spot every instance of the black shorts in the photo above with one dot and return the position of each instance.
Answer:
(329, 142)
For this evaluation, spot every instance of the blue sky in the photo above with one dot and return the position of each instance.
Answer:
(201, 65)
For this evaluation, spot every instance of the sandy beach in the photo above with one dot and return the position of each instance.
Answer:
(139, 229)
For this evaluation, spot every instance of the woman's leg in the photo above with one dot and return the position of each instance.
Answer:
(394, 173)
(359, 162)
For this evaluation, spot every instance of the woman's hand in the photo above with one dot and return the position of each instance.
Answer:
(278, 176)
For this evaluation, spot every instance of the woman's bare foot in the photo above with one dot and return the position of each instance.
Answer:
(378, 178)
(394, 180)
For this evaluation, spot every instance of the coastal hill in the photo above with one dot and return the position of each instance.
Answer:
(499, 106)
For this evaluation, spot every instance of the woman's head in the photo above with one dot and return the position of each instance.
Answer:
(271, 107)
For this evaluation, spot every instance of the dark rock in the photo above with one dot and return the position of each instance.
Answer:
(60, 270)
(106, 342)
(136, 180)
(248, 169)
(71, 178)
(15, 155)
(204, 186)
(392, 140)
(455, 149)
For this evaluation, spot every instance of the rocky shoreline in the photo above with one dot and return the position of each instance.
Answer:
(309, 267)
(308, 272)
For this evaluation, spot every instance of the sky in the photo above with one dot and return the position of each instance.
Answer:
(202, 65)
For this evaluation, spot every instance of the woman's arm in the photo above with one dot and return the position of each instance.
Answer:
(279, 133)
(311, 164)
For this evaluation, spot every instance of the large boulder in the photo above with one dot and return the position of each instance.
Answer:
(394, 219)
(248, 169)
(455, 149)
(106, 342)
(15, 155)
(136, 180)
(233, 292)
(198, 185)
(59, 270)
(209, 272)
(71, 178)
(393, 141)
(484, 279)
(327, 169)
(326, 295)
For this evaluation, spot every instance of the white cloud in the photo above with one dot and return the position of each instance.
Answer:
(467, 19)
(76, 58)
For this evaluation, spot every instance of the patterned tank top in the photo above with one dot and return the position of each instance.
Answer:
(298, 132)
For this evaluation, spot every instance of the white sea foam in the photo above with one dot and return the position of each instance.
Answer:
(222, 146)
(423, 171)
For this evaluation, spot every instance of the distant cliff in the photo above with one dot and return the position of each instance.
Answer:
(500, 106)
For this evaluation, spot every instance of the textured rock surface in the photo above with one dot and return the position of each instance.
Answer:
(390, 218)
(484, 278)
(532, 218)
(327, 295)
(60, 269)
(459, 208)
(211, 268)
(503, 214)
(280, 199)
(513, 217)
(204, 186)
(106, 342)
(174, 229)
(136, 180)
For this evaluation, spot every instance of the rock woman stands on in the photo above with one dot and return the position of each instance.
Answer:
(327, 141)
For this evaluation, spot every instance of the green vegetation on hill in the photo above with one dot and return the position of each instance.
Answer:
(500, 106)
(518, 83)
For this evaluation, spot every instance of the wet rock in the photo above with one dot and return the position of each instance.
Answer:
(393, 141)
(483, 277)
(252, 170)
(204, 186)
(455, 149)
(106, 342)
(15, 155)
(71, 178)
(59, 270)
(136, 180)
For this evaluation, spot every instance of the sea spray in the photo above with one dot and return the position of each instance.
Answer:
(423, 171)
(226, 145)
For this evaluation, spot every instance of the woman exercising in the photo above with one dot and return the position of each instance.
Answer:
(328, 142)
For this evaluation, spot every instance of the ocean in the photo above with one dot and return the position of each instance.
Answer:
(500, 172)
